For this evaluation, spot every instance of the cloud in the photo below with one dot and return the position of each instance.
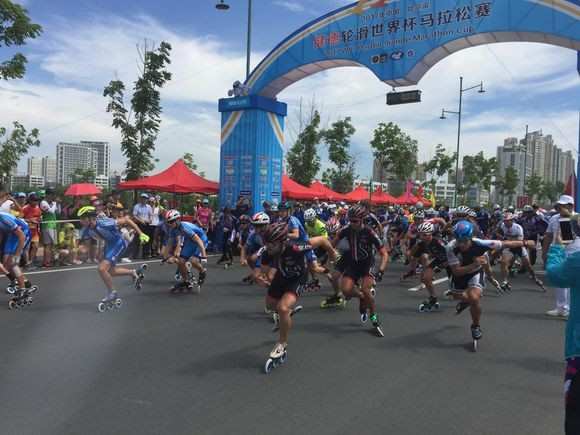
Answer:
(292, 6)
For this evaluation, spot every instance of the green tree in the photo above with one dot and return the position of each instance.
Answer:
(189, 161)
(551, 191)
(394, 150)
(303, 160)
(14, 146)
(510, 183)
(533, 187)
(138, 136)
(83, 176)
(479, 171)
(440, 164)
(15, 29)
(337, 138)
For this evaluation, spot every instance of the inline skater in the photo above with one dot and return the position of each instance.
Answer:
(191, 245)
(534, 227)
(411, 238)
(108, 229)
(509, 230)
(362, 242)
(284, 272)
(431, 254)
(250, 250)
(465, 256)
(15, 237)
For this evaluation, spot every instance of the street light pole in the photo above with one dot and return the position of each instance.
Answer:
(459, 113)
(223, 6)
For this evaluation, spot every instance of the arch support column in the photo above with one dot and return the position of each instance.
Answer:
(251, 153)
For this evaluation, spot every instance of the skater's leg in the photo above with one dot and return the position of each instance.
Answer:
(181, 265)
(347, 287)
(506, 262)
(473, 296)
(324, 243)
(14, 270)
(427, 275)
(284, 309)
(365, 294)
(122, 271)
(104, 271)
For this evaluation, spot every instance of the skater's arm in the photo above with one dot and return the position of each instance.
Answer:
(518, 244)
(199, 243)
(384, 259)
(128, 221)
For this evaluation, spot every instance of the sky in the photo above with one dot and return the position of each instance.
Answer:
(87, 43)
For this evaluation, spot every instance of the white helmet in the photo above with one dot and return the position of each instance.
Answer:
(172, 216)
(260, 218)
(462, 210)
(426, 228)
(332, 207)
(310, 215)
(472, 213)
(333, 227)
(419, 205)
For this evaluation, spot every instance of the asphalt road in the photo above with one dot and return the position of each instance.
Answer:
(192, 364)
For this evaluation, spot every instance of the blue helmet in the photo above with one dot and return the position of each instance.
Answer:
(463, 230)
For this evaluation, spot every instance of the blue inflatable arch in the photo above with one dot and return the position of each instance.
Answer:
(398, 40)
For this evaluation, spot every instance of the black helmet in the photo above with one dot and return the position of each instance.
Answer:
(276, 233)
(284, 205)
(357, 212)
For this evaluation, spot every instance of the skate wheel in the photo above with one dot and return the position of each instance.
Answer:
(379, 331)
(421, 308)
(268, 366)
(373, 292)
(145, 266)
(437, 306)
(364, 317)
(475, 345)
(28, 300)
(10, 290)
(102, 307)
(118, 302)
(12, 305)
(284, 357)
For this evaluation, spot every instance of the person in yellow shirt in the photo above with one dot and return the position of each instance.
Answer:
(68, 245)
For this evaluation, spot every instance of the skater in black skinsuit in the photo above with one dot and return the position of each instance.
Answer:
(363, 243)
(284, 272)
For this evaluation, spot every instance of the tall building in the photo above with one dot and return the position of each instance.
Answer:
(26, 181)
(34, 167)
(103, 156)
(549, 161)
(516, 155)
(49, 169)
(72, 156)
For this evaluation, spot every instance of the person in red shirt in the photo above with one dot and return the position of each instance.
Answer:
(32, 214)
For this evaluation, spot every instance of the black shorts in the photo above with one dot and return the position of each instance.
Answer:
(459, 284)
(281, 285)
(357, 271)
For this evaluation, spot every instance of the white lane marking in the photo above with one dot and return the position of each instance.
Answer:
(74, 269)
(422, 286)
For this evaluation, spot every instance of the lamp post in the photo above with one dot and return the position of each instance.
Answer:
(223, 6)
(458, 113)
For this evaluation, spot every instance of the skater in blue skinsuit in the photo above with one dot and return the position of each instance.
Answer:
(15, 234)
(108, 230)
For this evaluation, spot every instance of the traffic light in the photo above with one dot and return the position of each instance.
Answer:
(394, 98)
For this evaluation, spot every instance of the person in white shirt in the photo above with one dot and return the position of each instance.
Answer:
(565, 205)
(513, 231)
(142, 216)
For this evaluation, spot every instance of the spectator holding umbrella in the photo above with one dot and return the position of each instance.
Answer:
(50, 208)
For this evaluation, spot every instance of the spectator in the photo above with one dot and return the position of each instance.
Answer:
(204, 216)
(154, 225)
(562, 267)
(143, 215)
(32, 215)
(7, 203)
(228, 224)
(49, 208)
(20, 203)
(68, 245)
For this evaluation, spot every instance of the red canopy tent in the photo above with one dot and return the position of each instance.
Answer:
(325, 193)
(426, 202)
(358, 194)
(178, 178)
(292, 190)
(381, 197)
(82, 189)
(407, 198)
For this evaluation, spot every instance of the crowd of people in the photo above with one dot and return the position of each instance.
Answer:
(289, 248)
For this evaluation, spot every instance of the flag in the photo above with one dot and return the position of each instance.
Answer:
(571, 186)
(432, 198)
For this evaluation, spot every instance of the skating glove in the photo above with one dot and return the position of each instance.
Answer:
(144, 238)
(379, 276)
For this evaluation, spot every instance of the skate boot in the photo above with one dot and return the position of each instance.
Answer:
(476, 335)
(336, 301)
(498, 287)
(139, 276)
(460, 307)
(364, 315)
(506, 286)
(179, 286)
(313, 286)
(201, 277)
(377, 325)
(22, 296)
(407, 275)
(429, 305)
(540, 284)
(248, 279)
(177, 275)
(277, 357)
(112, 300)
